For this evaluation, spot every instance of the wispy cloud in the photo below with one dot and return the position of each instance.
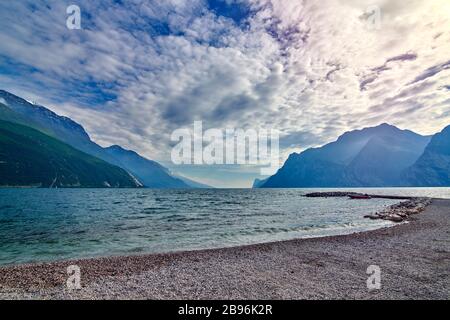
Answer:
(312, 69)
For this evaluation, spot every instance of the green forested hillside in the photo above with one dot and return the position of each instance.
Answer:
(30, 158)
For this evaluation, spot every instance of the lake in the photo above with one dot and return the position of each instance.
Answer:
(56, 224)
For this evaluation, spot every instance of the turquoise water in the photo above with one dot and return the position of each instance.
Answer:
(54, 224)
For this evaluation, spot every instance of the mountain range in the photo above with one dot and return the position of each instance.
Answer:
(381, 156)
(40, 148)
(47, 125)
(150, 173)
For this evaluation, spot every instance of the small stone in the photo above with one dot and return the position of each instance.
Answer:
(394, 218)
(372, 217)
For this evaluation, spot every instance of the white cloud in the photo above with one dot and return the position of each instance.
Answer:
(310, 69)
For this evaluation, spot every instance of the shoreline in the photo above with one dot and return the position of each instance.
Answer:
(273, 270)
(185, 251)
(189, 251)
(399, 212)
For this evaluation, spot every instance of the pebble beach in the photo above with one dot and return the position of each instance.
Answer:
(414, 259)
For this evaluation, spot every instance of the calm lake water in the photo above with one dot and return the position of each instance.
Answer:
(55, 224)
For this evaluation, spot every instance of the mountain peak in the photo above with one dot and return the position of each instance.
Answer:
(383, 126)
(446, 129)
(373, 156)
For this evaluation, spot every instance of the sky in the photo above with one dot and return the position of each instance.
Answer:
(138, 70)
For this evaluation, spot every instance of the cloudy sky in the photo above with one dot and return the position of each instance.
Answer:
(139, 69)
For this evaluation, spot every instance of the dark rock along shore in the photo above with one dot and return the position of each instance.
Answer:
(397, 213)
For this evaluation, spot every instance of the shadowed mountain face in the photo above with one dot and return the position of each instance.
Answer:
(372, 157)
(432, 169)
(150, 173)
(48, 122)
(29, 157)
(258, 183)
(384, 158)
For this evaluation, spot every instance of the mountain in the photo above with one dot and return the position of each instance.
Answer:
(194, 184)
(259, 183)
(18, 110)
(384, 158)
(29, 157)
(432, 169)
(150, 173)
(371, 157)
(48, 122)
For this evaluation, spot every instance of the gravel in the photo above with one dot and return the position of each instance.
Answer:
(414, 259)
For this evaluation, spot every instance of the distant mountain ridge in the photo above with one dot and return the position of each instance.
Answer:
(381, 156)
(194, 184)
(150, 173)
(258, 183)
(433, 166)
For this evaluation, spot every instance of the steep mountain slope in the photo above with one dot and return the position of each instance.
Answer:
(194, 184)
(432, 169)
(7, 114)
(30, 158)
(383, 159)
(257, 183)
(369, 157)
(150, 173)
(305, 171)
(20, 111)
(59, 127)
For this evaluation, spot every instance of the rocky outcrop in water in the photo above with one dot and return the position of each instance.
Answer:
(336, 194)
(331, 194)
(402, 211)
(397, 213)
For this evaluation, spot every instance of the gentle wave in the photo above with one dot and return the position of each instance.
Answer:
(46, 225)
